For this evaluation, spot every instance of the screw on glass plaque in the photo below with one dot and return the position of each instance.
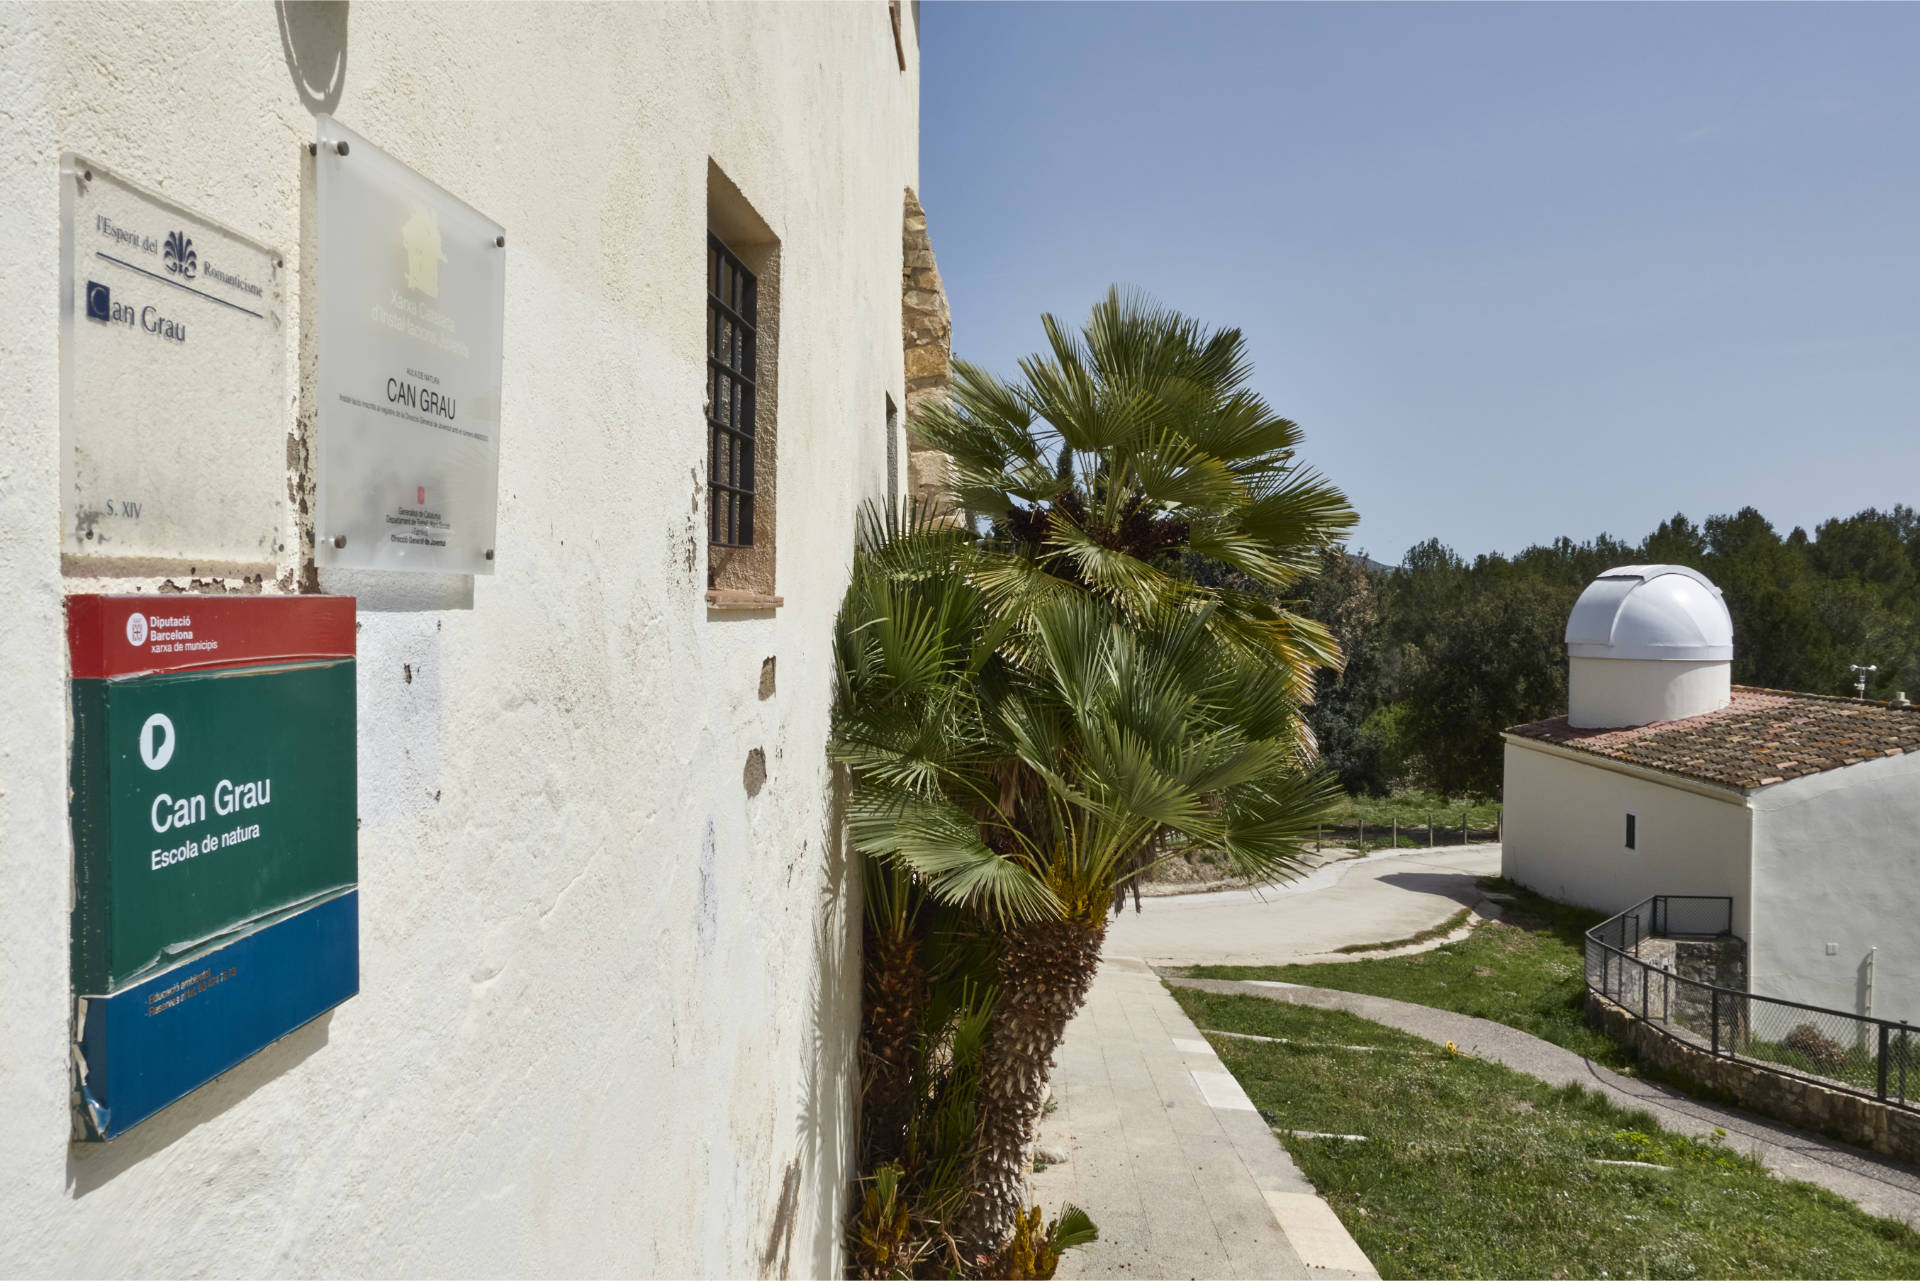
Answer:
(313, 148)
(86, 175)
(489, 553)
(499, 242)
(340, 147)
(339, 540)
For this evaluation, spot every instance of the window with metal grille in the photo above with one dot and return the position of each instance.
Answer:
(732, 305)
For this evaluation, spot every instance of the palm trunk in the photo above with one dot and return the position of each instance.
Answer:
(896, 990)
(1045, 971)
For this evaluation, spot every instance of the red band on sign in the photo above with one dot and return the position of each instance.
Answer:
(133, 635)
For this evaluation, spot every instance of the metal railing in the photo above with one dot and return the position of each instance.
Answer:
(1860, 1055)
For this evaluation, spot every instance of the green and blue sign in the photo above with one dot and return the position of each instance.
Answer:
(214, 829)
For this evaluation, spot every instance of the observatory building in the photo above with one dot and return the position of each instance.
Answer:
(1664, 777)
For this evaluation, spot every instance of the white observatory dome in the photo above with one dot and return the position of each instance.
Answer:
(1647, 643)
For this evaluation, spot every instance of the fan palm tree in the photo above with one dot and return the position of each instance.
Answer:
(1124, 448)
(1033, 718)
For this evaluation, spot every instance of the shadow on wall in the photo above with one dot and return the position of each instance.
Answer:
(91, 1166)
(313, 38)
(829, 1073)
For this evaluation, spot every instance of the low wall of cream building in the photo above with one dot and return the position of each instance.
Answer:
(608, 971)
(1836, 864)
(1563, 827)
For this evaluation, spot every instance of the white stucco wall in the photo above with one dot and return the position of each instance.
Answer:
(608, 999)
(1563, 828)
(1837, 860)
(1607, 693)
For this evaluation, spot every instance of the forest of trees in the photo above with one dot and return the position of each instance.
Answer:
(1443, 654)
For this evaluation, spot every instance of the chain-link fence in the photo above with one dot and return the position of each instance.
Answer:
(1639, 961)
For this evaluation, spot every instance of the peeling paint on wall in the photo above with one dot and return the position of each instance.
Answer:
(574, 717)
(707, 924)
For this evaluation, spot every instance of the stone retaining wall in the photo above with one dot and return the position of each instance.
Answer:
(1720, 962)
(1891, 1130)
(927, 332)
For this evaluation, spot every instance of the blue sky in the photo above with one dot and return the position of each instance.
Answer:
(1518, 270)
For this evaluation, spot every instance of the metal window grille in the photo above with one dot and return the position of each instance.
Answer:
(732, 308)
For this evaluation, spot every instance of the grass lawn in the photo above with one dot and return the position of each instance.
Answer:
(1441, 930)
(1531, 975)
(1472, 1170)
(1412, 809)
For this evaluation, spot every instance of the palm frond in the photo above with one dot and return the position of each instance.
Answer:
(1073, 1228)
(941, 843)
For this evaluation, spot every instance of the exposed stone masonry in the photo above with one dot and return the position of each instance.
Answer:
(1796, 1100)
(926, 324)
(1718, 962)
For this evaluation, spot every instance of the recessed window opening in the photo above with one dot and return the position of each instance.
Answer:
(893, 456)
(732, 324)
(1633, 834)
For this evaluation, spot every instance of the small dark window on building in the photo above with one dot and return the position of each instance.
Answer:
(1633, 822)
(732, 309)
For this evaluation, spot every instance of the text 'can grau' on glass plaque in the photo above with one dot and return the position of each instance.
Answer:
(174, 407)
(412, 298)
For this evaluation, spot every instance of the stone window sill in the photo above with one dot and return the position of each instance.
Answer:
(721, 598)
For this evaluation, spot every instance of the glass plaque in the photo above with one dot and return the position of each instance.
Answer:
(412, 297)
(174, 410)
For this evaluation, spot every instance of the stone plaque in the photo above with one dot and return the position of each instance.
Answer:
(412, 297)
(174, 409)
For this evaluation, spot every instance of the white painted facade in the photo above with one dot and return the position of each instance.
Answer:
(1828, 859)
(1823, 869)
(1563, 832)
(1836, 860)
(1611, 692)
(608, 996)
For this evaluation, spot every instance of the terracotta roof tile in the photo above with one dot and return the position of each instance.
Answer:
(1764, 736)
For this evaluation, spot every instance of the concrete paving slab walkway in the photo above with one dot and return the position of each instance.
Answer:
(1163, 1148)
(1389, 895)
(1878, 1186)
(1166, 1152)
